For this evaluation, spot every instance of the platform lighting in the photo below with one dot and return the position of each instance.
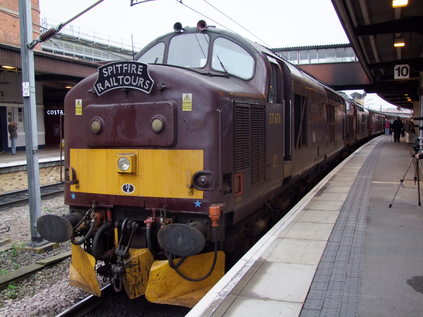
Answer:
(399, 3)
(7, 67)
(399, 43)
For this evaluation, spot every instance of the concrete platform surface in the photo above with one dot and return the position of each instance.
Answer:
(44, 155)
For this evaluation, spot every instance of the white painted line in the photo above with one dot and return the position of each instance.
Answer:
(23, 162)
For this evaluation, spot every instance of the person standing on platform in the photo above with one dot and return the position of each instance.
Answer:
(13, 133)
(387, 126)
(397, 126)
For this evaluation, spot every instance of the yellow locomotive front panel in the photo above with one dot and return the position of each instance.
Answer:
(153, 173)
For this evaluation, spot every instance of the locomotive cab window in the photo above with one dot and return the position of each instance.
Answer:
(273, 92)
(189, 50)
(330, 119)
(300, 121)
(231, 58)
(154, 55)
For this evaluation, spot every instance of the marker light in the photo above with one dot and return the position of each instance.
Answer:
(96, 125)
(203, 180)
(157, 124)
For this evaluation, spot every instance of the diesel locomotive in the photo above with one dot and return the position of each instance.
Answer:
(172, 159)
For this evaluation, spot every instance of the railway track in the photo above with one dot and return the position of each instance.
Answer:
(31, 269)
(19, 196)
(117, 304)
(87, 305)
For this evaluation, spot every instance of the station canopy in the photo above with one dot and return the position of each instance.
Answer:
(387, 37)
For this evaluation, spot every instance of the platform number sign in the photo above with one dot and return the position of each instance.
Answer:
(402, 71)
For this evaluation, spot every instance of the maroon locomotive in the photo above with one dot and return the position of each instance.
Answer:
(172, 158)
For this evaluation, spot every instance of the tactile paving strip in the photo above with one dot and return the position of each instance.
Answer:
(335, 290)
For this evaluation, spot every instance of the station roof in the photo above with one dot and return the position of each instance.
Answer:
(55, 71)
(372, 28)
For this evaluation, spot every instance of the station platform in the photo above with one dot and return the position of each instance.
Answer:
(13, 169)
(44, 155)
(341, 251)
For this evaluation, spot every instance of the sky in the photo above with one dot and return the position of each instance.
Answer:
(272, 23)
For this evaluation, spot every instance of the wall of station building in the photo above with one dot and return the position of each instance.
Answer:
(9, 21)
(11, 100)
(12, 109)
(49, 114)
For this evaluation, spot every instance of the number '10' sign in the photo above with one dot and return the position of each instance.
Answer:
(401, 71)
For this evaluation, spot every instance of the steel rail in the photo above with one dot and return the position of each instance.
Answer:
(87, 304)
(19, 196)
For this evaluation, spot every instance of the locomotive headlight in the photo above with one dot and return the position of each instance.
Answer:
(157, 124)
(126, 163)
(96, 125)
(203, 180)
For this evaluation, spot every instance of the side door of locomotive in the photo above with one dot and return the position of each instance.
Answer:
(275, 133)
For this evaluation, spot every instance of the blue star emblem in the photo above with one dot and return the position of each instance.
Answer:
(197, 204)
(73, 196)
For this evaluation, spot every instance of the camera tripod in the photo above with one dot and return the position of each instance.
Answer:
(415, 161)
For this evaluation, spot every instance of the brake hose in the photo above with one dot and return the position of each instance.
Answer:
(149, 241)
(90, 230)
(96, 249)
(176, 267)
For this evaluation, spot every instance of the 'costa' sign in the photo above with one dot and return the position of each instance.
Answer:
(54, 112)
(124, 74)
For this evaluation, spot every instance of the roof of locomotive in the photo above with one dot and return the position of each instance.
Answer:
(253, 48)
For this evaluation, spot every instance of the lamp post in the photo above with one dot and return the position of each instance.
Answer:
(30, 108)
(30, 118)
